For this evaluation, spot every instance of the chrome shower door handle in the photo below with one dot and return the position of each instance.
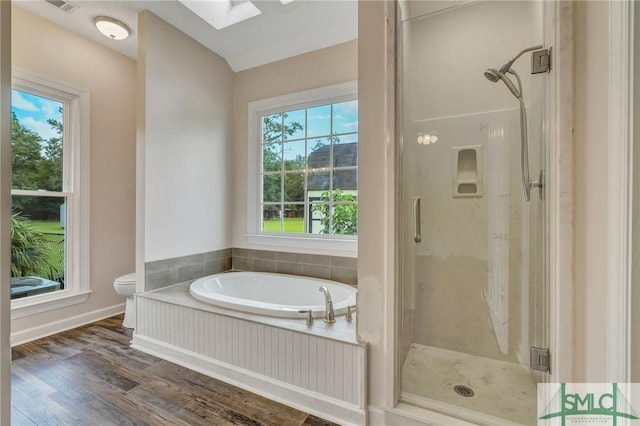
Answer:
(417, 230)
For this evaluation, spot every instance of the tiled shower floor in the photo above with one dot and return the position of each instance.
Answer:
(501, 389)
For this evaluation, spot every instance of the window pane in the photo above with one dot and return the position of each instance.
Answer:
(344, 139)
(317, 184)
(310, 175)
(272, 128)
(294, 155)
(344, 220)
(271, 189)
(319, 153)
(319, 222)
(319, 121)
(294, 124)
(345, 154)
(37, 245)
(293, 218)
(272, 157)
(271, 221)
(346, 180)
(294, 187)
(36, 142)
(345, 117)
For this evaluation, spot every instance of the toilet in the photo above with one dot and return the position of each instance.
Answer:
(126, 286)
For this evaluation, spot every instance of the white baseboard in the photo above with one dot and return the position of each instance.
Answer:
(376, 415)
(44, 330)
(302, 399)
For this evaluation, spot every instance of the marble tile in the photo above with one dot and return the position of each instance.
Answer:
(242, 263)
(253, 253)
(155, 280)
(312, 259)
(289, 268)
(216, 266)
(345, 275)
(501, 389)
(316, 271)
(217, 254)
(344, 262)
(190, 272)
(263, 254)
(262, 265)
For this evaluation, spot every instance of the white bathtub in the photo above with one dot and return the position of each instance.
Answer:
(275, 295)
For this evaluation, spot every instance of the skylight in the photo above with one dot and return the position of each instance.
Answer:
(222, 13)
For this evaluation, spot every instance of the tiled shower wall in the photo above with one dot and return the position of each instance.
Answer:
(163, 273)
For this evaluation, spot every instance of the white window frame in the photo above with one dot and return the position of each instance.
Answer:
(76, 160)
(345, 245)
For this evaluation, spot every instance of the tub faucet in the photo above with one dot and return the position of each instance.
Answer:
(329, 316)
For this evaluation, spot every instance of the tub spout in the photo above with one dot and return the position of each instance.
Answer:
(329, 316)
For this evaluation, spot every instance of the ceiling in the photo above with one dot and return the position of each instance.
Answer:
(279, 32)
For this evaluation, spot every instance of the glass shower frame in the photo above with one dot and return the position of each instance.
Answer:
(539, 310)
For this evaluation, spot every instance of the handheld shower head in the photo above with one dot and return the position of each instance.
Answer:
(494, 75)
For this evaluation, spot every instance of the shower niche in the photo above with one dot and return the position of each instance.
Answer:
(467, 171)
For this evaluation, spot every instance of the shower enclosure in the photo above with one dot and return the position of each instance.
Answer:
(474, 310)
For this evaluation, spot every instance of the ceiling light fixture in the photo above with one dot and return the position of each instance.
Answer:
(111, 28)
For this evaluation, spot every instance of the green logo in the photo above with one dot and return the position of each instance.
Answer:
(585, 405)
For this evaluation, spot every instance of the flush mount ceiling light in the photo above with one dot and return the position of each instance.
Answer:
(222, 13)
(111, 28)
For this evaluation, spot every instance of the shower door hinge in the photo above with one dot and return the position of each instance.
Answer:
(540, 359)
(541, 61)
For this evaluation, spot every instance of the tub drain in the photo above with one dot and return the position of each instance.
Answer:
(463, 390)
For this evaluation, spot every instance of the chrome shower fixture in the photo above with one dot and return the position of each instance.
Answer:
(507, 65)
(494, 75)
(500, 74)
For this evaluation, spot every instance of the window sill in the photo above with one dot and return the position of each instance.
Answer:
(47, 302)
(347, 247)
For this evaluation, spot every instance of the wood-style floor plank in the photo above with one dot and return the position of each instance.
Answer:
(90, 376)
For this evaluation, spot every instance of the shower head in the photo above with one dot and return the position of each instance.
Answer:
(494, 75)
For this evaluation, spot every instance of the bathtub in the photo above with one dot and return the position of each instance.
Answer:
(275, 295)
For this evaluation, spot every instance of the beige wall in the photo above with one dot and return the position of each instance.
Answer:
(185, 134)
(376, 233)
(591, 153)
(47, 50)
(325, 67)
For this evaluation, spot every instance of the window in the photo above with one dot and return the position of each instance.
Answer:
(306, 185)
(49, 191)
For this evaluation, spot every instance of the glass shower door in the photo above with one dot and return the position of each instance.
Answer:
(472, 264)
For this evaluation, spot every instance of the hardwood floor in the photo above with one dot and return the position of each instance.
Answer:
(90, 376)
